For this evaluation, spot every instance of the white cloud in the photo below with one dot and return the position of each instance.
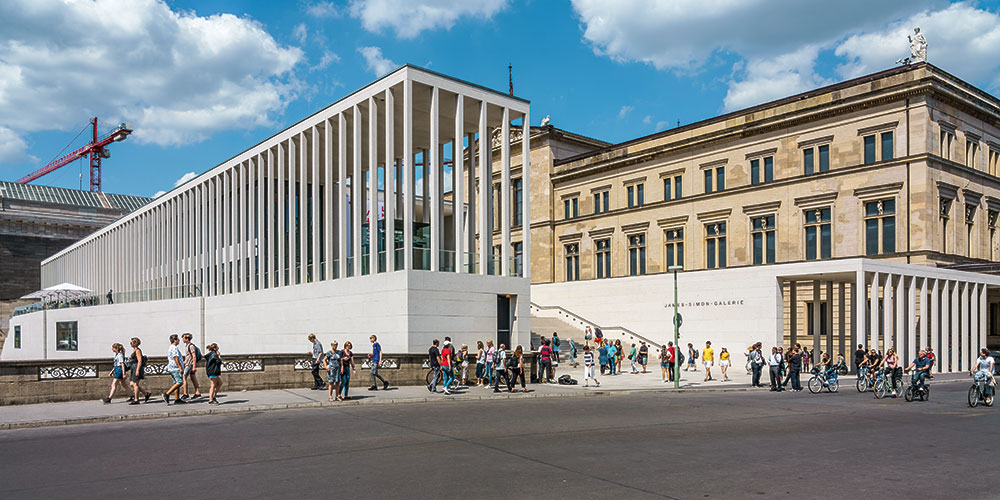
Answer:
(647, 119)
(622, 113)
(13, 148)
(322, 10)
(184, 178)
(660, 125)
(327, 59)
(177, 76)
(300, 33)
(775, 44)
(408, 18)
(375, 61)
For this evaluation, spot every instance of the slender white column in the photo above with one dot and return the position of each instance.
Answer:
(373, 185)
(911, 322)
(983, 311)
(925, 321)
(972, 339)
(936, 323)
(342, 195)
(873, 312)
(842, 320)
(303, 207)
(425, 188)
(273, 209)
(900, 326)
(526, 208)
(231, 219)
(963, 357)
(408, 172)
(293, 216)
(283, 217)
(357, 196)
(485, 185)
(246, 226)
(314, 267)
(505, 192)
(259, 240)
(239, 223)
(390, 182)
(470, 186)
(328, 200)
(458, 194)
(955, 328)
(431, 167)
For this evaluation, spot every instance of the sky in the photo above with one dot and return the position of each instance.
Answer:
(201, 81)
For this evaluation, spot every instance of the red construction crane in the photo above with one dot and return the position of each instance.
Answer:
(97, 149)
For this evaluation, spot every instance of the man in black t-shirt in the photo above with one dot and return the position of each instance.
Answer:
(435, 362)
(859, 356)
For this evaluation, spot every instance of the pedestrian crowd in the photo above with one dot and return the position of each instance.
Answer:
(339, 365)
(182, 366)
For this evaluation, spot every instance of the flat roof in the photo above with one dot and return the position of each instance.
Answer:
(72, 197)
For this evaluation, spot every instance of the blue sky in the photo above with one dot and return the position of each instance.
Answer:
(202, 81)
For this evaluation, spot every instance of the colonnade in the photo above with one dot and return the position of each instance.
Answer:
(325, 199)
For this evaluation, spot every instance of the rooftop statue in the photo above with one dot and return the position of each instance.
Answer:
(918, 46)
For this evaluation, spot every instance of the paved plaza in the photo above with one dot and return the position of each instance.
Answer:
(618, 444)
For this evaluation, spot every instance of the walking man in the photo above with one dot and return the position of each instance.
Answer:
(555, 346)
(434, 358)
(317, 355)
(501, 368)
(756, 365)
(174, 363)
(708, 356)
(191, 356)
(545, 356)
(375, 358)
(111, 297)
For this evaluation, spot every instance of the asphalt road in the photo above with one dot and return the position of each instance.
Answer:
(721, 445)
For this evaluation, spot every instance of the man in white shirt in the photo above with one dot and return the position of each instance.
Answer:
(774, 363)
(174, 364)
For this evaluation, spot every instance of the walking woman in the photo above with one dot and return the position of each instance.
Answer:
(488, 369)
(346, 367)
(213, 369)
(137, 362)
(588, 367)
(480, 363)
(331, 362)
(463, 361)
(724, 364)
(117, 373)
(517, 370)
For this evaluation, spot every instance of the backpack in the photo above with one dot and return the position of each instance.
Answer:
(197, 353)
(694, 355)
(567, 380)
(556, 341)
(680, 357)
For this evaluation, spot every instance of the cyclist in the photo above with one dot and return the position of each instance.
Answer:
(825, 366)
(984, 369)
(889, 366)
(922, 365)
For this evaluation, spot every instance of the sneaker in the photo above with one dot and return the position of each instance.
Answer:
(429, 389)
(166, 398)
(180, 401)
(447, 392)
(106, 400)
(385, 386)
(131, 398)
(146, 398)
(373, 388)
(184, 396)
(133, 402)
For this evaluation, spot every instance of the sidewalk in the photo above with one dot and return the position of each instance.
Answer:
(84, 412)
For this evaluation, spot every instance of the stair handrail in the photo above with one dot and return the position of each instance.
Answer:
(585, 320)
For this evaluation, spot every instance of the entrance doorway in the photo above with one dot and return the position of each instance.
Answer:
(504, 320)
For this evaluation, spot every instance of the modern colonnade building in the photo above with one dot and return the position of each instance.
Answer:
(281, 240)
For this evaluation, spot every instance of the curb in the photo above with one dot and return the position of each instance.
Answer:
(358, 402)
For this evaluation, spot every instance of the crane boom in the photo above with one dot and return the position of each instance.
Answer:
(96, 149)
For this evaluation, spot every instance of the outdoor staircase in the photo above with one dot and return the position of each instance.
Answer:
(548, 319)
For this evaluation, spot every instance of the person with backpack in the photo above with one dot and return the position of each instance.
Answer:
(671, 360)
(331, 363)
(213, 370)
(137, 372)
(175, 364)
(117, 373)
(602, 357)
(192, 355)
(756, 365)
(588, 367)
(516, 366)
(572, 354)
(500, 368)
(692, 358)
(632, 359)
(555, 346)
(545, 362)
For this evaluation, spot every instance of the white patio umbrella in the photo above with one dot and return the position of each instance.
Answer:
(60, 291)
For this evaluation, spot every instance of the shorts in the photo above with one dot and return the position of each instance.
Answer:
(117, 373)
(189, 370)
(708, 364)
(213, 376)
(724, 362)
(176, 376)
(664, 364)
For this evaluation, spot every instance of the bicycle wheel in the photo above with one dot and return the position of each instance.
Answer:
(862, 383)
(430, 377)
(908, 395)
(988, 400)
(815, 385)
(926, 395)
(842, 370)
(881, 389)
(833, 385)
(973, 396)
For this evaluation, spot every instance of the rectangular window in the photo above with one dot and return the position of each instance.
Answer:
(571, 207)
(517, 202)
(715, 245)
(603, 258)
(807, 161)
(818, 234)
(17, 336)
(639, 195)
(762, 235)
(637, 255)
(572, 261)
(971, 153)
(678, 192)
(708, 181)
(768, 168)
(754, 172)
(518, 249)
(601, 202)
(720, 179)
(66, 336)
(758, 175)
(947, 137)
(667, 192)
(824, 158)
(869, 149)
(631, 196)
(675, 247)
(880, 227)
(993, 162)
(886, 146)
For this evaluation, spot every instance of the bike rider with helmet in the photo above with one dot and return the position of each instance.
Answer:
(984, 369)
(922, 365)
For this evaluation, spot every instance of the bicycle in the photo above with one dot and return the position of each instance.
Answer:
(915, 391)
(827, 378)
(980, 392)
(866, 379)
(454, 380)
(882, 385)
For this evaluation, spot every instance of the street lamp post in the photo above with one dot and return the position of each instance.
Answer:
(677, 331)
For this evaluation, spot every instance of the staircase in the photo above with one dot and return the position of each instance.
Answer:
(569, 325)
